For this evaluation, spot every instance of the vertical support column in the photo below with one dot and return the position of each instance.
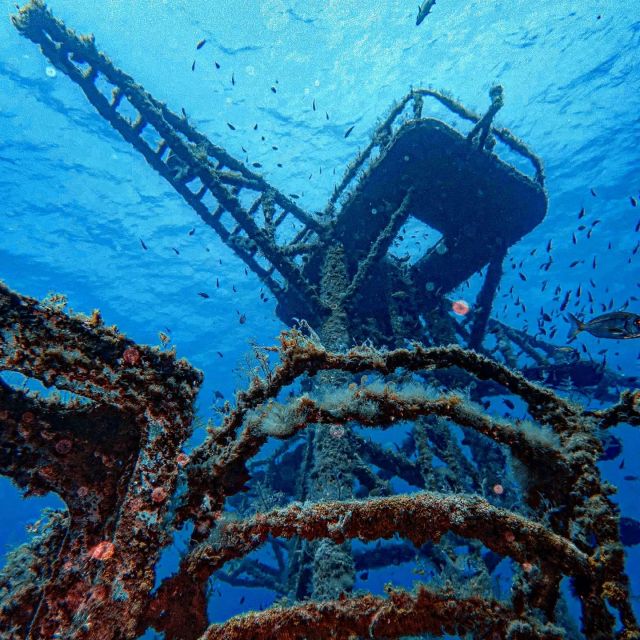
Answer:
(331, 475)
(484, 301)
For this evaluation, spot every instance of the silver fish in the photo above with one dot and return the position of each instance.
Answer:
(423, 10)
(618, 325)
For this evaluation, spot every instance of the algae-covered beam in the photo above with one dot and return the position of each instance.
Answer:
(419, 517)
(111, 453)
(484, 302)
(398, 615)
(181, 154)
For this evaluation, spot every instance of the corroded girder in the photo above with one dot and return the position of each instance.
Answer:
(111, 453)
(199, 170)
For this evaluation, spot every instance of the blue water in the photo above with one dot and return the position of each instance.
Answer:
(76, 198)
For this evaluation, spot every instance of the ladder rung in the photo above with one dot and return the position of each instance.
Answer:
(116, 97)
(139, 124)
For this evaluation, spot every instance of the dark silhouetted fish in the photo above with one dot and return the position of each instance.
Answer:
(424, 10)
(348, 131)
(617, 325)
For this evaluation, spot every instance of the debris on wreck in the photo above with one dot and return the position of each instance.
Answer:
(90, 572)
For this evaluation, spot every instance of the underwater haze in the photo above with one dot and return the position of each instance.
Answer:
(84, 215)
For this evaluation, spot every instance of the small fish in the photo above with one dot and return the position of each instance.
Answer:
(549, 246)
(202, 294)
(177, 252)
(242, 600)
(231, 126)
(144, 246)
(273, 90)
(364, 575)
(423, 11)
(217, 283)
(633, 201)
(348, 131)
(242, 319)
(509, 404)
(184, 113)
(617, 325)
(522, 276)
(593, 193)
(201, 43)
(192, 231)
(217, 65)
(574, 263)
(631, 478)
(581, 214)
(193, 66)
(314, 104)
(255, 126)
(233, 79)
(295, 196)
(326, 113)
(220, 354)
(233, 286)
(218, 395)
(257, 165)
